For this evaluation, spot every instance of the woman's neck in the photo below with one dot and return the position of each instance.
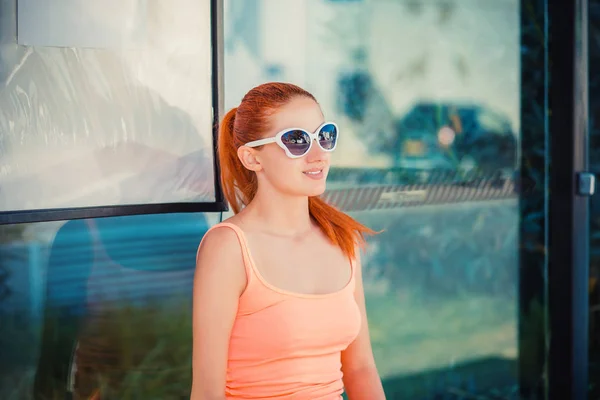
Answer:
(280, 215)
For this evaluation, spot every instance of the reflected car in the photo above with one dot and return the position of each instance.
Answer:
(455, 136)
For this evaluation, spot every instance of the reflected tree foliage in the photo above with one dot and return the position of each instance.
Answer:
(532, 334)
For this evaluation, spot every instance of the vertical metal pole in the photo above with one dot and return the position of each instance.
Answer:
(569, 201)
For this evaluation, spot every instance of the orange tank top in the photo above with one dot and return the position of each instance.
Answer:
(287, 345)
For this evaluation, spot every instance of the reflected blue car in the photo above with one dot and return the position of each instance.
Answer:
(455, 136)
(420, 150)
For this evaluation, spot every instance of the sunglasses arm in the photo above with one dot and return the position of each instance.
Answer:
(260, 142)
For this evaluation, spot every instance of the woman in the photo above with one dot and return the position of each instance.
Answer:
(279, 309)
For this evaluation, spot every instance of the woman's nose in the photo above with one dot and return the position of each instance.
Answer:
(316, 153)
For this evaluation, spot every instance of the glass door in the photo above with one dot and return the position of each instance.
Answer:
(443, 107)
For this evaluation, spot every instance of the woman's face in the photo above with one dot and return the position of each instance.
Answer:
(304, 176)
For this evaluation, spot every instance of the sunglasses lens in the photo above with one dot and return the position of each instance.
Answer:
(328, 136)
(296, 141)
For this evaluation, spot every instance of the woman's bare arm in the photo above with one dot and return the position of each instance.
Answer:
(218, 282)
(361, 379)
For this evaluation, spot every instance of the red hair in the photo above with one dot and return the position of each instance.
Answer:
(248, 122)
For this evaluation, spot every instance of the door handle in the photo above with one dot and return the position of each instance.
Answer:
(586, 184)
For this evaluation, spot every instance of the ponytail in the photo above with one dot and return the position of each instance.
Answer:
(239, 184)
(341, 229)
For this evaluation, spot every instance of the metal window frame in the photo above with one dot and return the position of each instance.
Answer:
(533, 199)
(219, 205)
(568, 218)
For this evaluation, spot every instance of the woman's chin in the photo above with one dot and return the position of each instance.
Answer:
(316, 191)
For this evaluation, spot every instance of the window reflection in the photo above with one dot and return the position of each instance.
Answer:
(481, 135)
(103, 305)
(111, 312)
(104, 103)
(427, 97)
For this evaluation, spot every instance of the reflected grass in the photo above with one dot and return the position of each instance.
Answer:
(137, 352)
(133, 352)
(411, 336)
(124, 352)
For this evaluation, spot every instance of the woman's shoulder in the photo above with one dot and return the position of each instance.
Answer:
(225, 234)
(220, 257)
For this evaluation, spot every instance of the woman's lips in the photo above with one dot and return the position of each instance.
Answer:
(315, 173)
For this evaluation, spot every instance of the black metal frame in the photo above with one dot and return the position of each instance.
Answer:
(533, 182)
(568, 246)
(219, 205)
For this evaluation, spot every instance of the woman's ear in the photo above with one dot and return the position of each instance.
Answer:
(249, 158)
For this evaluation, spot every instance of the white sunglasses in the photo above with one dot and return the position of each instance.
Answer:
(297, 142)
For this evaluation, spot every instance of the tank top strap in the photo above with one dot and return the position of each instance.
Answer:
(243, 245)
(353, 262)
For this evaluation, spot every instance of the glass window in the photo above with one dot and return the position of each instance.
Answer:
(103, 305)
(98, 306)
(102, 103)
(105, 103)
(428, 99)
